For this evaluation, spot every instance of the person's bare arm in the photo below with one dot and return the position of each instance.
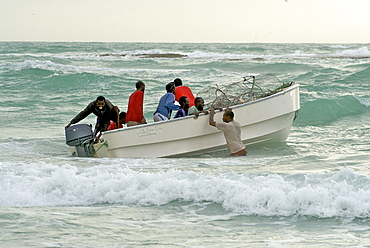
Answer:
(211, 118)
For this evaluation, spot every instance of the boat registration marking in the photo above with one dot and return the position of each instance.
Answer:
(149, 131)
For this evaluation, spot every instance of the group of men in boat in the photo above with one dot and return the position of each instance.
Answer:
(109, 116)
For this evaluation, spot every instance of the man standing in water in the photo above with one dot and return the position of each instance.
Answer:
(232, 132)
(103, 109)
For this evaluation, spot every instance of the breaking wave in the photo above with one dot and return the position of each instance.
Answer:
(336, 194)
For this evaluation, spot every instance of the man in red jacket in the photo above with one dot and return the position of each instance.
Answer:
(182, 90)
(135, 112)
(122, 121)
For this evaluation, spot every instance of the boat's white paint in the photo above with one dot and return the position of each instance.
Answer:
(267, 119)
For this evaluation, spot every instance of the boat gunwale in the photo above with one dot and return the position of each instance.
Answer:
(285, 90)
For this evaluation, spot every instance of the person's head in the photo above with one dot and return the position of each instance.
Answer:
(184, 102)
(228, 116)
(140, 86)
(199, 103)
(122, 117)
(178, 82)
(100, 102)
(170, 87)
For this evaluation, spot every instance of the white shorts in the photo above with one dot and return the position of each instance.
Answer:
(159, 117)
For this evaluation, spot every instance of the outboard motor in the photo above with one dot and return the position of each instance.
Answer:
(81, 137)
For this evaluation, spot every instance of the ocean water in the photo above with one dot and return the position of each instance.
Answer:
(311, 191)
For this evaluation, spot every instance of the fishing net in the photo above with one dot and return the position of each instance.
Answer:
(246, 90)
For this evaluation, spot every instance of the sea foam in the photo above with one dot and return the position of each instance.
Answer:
(364, 100)
(362, 51)
(341, 193)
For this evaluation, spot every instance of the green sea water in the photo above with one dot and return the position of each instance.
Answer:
(311, 191)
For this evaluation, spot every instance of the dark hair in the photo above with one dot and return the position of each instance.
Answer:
(178, 82)
(230, 114)
(122, 115)
(197, 99)
(139, 84)
(100, 98)
(170, 86)
(182, 100)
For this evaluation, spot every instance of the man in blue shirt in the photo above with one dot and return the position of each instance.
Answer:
(166, 104)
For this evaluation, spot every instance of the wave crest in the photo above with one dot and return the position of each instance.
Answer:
(335, 194)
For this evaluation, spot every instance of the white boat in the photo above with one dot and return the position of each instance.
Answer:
(266, 119)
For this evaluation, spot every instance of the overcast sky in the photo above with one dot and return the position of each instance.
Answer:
(329, 21)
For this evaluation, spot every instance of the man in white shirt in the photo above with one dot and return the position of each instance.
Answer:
(232, 132)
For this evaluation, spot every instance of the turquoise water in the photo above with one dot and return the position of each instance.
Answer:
(312, 190)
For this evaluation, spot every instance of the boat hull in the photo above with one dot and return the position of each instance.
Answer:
(267, 119)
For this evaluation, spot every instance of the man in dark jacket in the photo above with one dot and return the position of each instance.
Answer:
(103, 109)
